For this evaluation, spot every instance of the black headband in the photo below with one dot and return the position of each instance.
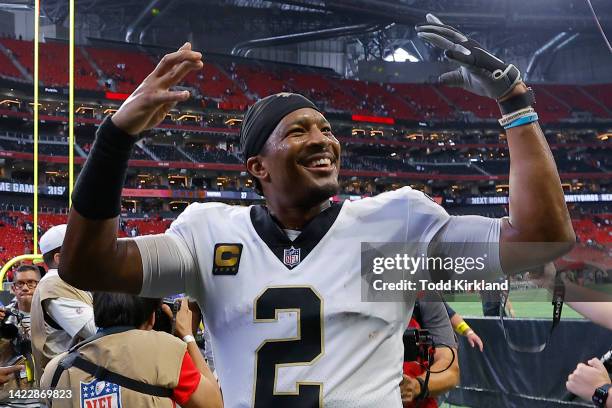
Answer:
(263, 117)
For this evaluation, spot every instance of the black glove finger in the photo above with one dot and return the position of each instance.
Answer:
(437, 40)
(460, 57)
(453, 78)
(445, 31)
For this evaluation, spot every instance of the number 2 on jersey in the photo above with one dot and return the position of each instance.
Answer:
(304, 349)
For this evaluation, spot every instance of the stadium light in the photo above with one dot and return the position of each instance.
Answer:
(401, 55)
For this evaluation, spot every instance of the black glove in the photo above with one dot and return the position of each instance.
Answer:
(481, 72)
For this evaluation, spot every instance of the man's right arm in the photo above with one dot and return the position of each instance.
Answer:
(92, 258)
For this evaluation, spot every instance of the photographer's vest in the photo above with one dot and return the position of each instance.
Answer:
(50, 287)
(139, 358)
(414, 369)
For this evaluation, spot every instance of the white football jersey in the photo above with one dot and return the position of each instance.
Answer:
(286, 319)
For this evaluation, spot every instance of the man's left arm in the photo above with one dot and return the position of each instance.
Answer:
(538, 213)
(537, 209)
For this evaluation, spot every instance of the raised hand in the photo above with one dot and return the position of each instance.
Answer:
(481, 72)
(148, 105)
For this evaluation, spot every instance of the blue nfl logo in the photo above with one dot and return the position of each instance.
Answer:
(291, 257)
(100, 394)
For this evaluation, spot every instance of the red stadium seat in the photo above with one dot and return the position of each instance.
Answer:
(53, 69)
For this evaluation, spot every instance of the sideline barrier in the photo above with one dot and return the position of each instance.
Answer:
(502, 377)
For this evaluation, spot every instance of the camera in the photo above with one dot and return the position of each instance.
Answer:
(418, 345)
(162, 320)
(10, 330)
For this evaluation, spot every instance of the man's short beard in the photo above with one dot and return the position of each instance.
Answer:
(318, 195)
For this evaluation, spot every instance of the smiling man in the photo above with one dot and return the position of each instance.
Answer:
(280, 283)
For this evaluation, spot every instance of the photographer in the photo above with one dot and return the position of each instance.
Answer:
(61, 314)
(15, 329)
(432, 316)
(16, 320)
(128, 364)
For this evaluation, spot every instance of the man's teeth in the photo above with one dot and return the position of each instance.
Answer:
(320, 162)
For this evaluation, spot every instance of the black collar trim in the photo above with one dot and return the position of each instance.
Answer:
(292, 253)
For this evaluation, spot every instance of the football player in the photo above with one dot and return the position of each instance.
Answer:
(280, 283)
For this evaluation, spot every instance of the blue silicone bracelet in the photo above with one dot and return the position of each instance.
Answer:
(522, 121)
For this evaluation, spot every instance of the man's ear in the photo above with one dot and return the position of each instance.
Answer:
(257, 168)
(56, 258)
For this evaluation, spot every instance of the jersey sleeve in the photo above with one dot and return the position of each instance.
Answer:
(425, 216)
(169, 261)
(471, 237)
(457, 237)
(189, 379)
(167, 265)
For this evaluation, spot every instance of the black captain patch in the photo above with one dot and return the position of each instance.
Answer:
(227, 259)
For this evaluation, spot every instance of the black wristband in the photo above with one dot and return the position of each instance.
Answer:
(424, 390)
(518, 102)
(97, 191)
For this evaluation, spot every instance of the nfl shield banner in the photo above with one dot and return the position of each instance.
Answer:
(100, 394)
(291, 257)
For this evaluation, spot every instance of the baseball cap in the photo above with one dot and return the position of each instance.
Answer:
(52, 239)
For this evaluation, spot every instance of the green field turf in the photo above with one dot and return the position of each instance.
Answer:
(526, 303)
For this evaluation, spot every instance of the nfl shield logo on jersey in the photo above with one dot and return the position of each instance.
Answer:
(291, 257)
(100, 394)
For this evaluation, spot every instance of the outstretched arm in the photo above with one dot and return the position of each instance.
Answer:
(538, 213)
(92, 258)
(594, 305)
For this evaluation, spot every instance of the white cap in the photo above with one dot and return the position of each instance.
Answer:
(52, 239)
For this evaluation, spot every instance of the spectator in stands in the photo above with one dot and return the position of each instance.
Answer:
(127, 346)
(61, 314)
